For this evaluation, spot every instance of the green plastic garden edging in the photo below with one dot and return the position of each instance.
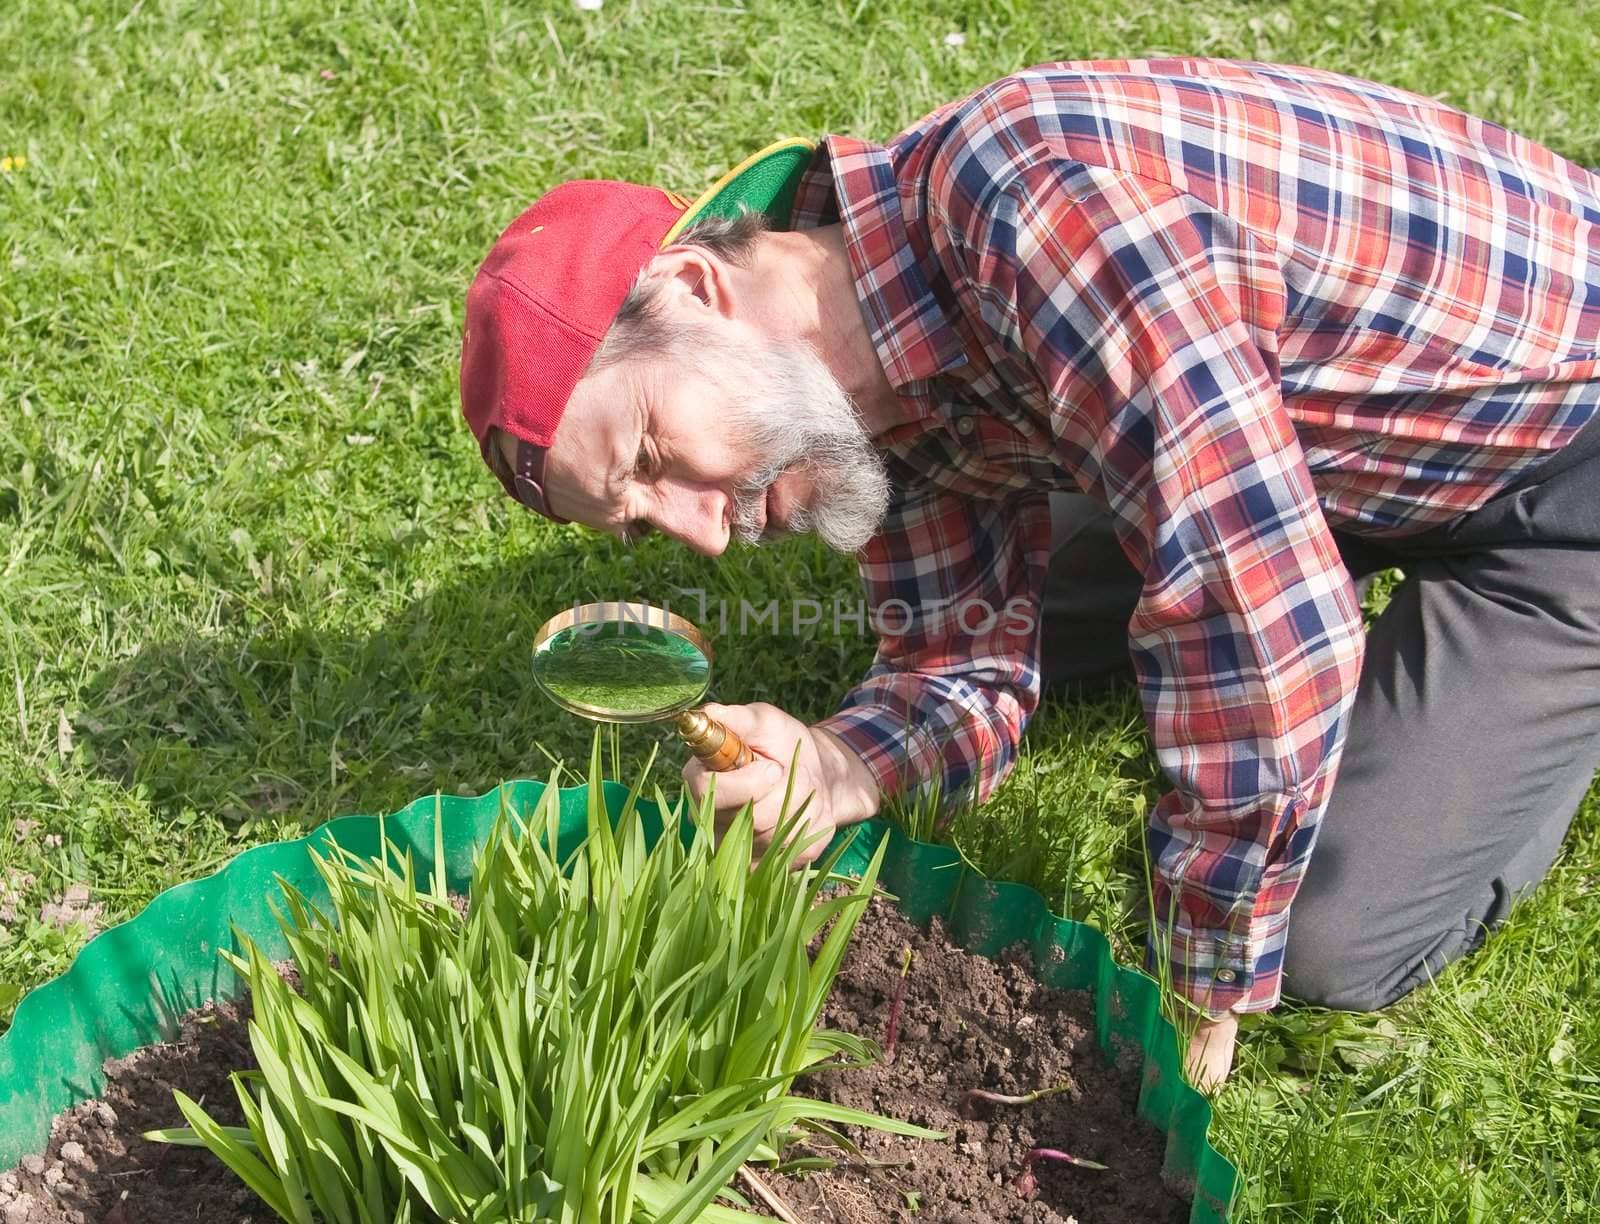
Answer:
(129, 985)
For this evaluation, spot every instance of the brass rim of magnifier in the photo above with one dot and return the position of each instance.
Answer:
(642, 615)
(645, 616)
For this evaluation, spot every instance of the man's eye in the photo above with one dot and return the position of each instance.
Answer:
(641, 464)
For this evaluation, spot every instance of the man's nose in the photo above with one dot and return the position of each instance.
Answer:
(698, 517)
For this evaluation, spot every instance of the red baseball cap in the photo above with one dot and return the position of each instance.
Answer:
(543, 299)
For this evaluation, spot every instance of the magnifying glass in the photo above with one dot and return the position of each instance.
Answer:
(635, 663)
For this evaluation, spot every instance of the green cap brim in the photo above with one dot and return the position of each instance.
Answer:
(764, 182)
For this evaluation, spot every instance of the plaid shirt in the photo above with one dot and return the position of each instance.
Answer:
(1236, 303)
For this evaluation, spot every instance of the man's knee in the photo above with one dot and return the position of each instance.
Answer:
(1334, 960)
(1325, 965)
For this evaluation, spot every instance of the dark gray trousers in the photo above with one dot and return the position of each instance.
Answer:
(1474, 736)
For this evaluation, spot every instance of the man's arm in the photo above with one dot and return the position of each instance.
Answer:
(956, 583)
(953, 583)
(1130, 300)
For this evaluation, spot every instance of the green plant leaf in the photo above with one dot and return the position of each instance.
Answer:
(230, 1148)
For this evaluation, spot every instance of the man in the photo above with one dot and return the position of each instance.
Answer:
(1275, 327)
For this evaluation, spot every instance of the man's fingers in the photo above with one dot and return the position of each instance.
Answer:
(765, 728)
(736, 787)
(743, 720)
(1211, 1052)
(737, 718)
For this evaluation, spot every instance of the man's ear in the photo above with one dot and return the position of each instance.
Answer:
(696, 279)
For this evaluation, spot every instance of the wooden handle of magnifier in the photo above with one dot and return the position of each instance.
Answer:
(719, 748)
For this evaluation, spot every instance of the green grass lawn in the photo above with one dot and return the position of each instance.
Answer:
(253, 574)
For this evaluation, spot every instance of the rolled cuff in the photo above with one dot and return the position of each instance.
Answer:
(894, 751)
(1222, 971)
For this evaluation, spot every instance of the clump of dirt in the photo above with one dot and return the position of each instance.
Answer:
(972, 1023)
(12, 891)
(74, 907)
(967, 1023)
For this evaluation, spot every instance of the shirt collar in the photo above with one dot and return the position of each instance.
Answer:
(853, 182)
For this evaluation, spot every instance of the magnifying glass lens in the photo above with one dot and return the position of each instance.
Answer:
(621, 671)
(635, 663)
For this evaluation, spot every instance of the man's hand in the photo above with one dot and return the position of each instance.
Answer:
(840, 788)
(1211, 1051)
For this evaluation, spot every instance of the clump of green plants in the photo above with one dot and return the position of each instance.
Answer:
(600, 1038)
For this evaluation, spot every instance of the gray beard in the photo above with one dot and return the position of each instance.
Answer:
(798, 418)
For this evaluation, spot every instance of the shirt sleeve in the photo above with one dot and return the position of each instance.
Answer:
(952, 586)
(1151, 321)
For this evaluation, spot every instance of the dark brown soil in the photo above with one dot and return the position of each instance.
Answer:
(968, 1023)
(97, 1169)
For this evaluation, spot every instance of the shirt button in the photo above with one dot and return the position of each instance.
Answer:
(965, 426)
(1226, 976)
